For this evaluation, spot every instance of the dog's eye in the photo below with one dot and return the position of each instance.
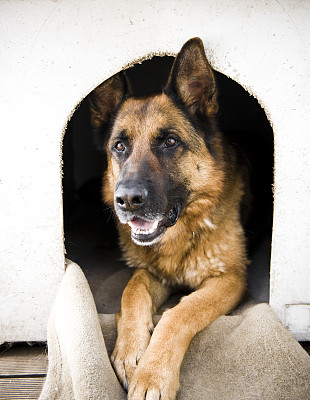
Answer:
(170, 142)
(119, 146)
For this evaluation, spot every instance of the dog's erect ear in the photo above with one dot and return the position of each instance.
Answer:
(104, 101)
(192, 79)
(106, 98)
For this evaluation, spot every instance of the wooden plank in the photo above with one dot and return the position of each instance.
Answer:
(20, 388)
(22, 372)
(23, 361)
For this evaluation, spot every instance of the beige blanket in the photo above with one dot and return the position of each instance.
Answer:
(248, 355)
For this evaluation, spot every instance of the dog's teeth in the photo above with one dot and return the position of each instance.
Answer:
(140, 231)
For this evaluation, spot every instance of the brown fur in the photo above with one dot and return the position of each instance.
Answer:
(203, 250)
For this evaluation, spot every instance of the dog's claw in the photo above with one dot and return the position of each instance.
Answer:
(153, 394)
(150, 394)
(119, 368)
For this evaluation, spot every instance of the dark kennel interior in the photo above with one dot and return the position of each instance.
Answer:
(90, 235)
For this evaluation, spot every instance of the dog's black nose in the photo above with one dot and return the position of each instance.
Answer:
(130, 197)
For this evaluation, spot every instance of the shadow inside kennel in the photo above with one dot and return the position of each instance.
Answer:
(90, 235)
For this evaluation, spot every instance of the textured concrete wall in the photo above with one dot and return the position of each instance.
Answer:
(53, 53)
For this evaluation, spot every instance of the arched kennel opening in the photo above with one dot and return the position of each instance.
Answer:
(90, 235)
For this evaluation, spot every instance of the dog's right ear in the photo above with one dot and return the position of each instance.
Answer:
(104, 101)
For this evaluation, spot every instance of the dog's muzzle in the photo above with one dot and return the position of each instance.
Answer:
(133, 206)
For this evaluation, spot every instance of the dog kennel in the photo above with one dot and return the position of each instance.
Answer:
(55, 52)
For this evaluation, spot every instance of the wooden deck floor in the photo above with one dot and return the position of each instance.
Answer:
(22, 371)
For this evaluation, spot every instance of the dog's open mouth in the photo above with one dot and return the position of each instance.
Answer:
(146, 233)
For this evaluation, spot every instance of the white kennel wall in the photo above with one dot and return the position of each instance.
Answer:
(55, 52)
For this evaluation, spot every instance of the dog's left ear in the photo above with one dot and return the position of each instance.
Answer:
(192, 79)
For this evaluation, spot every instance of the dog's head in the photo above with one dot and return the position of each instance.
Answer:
(161, 149)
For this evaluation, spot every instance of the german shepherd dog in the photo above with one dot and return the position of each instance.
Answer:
(177, 187)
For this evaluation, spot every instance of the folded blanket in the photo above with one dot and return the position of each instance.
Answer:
(245, 356)
(79, 366)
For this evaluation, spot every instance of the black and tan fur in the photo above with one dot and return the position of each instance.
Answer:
(168, 163)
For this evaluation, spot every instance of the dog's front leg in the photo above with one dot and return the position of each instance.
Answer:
(157, 375)
(141, 297)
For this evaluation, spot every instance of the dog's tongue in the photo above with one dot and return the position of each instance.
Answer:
(142, 225)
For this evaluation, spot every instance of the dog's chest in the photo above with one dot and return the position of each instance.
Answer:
(191, 268)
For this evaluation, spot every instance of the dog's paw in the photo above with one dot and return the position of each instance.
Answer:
(153, 383)
(128, 350)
